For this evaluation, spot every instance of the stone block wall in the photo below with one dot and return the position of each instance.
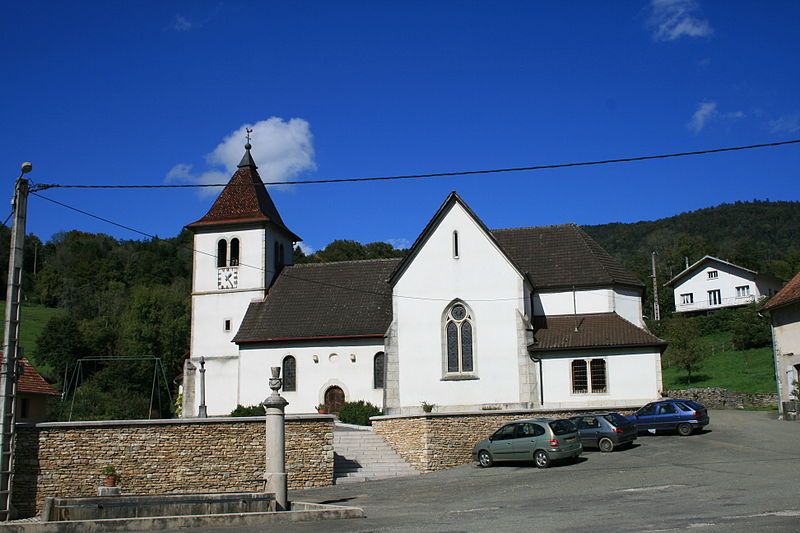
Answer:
(164, 456)
(443, 440)
(719, 398)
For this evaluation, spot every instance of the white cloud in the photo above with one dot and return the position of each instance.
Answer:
(708, 111)
(308, 250)
(183, 24)
(672, 19)
(785, 124)
(704, 112)
(281, 149)
(399, 244)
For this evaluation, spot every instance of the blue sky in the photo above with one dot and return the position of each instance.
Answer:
(155, 92)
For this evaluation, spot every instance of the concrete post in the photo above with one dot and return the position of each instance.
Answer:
(202, 411)
(275, 474)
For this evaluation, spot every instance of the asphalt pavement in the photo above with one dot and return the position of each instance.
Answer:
(741, 474)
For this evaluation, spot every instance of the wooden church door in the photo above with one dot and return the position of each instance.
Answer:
(334, 398)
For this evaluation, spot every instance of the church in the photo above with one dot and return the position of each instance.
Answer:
(471, 318)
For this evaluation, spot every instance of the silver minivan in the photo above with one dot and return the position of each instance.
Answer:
(541, 440)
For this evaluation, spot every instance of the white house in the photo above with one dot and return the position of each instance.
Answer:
(784, 312)
(712, 283)
(470, 318)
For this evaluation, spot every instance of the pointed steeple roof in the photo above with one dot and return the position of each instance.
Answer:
(244, 199)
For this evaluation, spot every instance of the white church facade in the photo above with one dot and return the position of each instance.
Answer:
(470, 318)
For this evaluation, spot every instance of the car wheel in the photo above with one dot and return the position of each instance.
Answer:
(606, 445)
(485, 459)
(541, 459)
(685, 429)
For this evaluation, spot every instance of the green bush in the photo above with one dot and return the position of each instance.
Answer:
(750, 330)
(358, 413)
(249, 410)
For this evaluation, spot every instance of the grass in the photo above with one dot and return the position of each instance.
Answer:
(34, 318)
(736, 370)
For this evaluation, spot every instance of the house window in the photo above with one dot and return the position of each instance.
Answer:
(222, 253)
(234, 252)
(289, 374)
(687, 298)
(580, 381)
(277, 261)
(597, 369)
(226, 325)
(459, 339)
(281, 261)
(589, 376)
(743, 291)
(455, 245)
(713, 274)
(377, 370)
(714, 297)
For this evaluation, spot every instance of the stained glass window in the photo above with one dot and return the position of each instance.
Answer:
(452, 347)
(377, 370)
(289, 374)
(459, 339)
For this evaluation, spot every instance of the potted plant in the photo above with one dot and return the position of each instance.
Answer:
(111, 476)
(322, 409)
(427, 407)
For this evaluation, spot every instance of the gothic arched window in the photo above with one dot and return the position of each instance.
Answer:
(289, 374)
(222, 253)
(234, 252)
(459, 339)
(377, 370)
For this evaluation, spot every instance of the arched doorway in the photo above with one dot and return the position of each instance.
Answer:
(334, 398)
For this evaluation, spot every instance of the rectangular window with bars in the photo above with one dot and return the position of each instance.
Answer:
(598, 373)
(580, 378)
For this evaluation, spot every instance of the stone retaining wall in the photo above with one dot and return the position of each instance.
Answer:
(164, 456)
(443, 440)
(719, 398)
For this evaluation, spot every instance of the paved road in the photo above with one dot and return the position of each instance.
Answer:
(741, 475)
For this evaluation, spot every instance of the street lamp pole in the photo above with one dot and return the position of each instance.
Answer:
(8, 368)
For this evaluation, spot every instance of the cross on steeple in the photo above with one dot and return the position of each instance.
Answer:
(247, 160)
(247, 136)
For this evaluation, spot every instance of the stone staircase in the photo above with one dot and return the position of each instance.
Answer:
(360, 455)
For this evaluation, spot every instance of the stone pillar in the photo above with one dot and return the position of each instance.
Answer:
(275, 475)
(189, 385)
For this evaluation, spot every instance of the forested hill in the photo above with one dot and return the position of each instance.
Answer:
(760, 235)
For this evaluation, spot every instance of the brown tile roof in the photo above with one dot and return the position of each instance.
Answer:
(348, 299)
(244, 199)
(597, 330)
(563, 256)
(31, 382)
(790, 293)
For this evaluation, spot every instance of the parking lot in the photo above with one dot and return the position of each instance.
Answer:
(741, 474)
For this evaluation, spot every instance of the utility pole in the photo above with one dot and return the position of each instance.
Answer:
(8, 369)
(656, 307)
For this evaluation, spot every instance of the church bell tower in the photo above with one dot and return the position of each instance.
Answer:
(240, 246)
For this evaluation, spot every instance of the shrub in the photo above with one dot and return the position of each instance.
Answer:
(358, 413)
(750, 330)
(249, 410)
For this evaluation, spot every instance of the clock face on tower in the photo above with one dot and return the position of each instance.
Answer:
(227, 278)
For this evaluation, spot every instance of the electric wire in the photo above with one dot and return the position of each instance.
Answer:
(283, 272)
(531, 168)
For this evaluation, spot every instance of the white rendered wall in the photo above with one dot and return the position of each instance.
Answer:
(633, 378)
(494, 291)
(698, 283)
(355, 378)
(628, 305)
(786, 340)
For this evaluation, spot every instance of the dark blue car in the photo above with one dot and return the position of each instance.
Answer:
(684, 416)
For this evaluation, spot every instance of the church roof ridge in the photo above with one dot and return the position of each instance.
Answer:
(545, 226)
(346, 262)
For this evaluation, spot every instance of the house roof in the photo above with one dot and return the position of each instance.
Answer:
(347, 299)
(563, 256)
(790, 293)
(244, 200)
(596, 330)
(452, 199)
(31, 382)
(705, 259)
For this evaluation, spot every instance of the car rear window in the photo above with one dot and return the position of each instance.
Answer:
(616, 419)
(683, 407)
(562, 427)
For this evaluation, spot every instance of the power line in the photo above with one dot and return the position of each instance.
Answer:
(283, 273)
(531, 168)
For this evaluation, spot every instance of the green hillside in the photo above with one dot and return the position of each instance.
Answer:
(34, 317)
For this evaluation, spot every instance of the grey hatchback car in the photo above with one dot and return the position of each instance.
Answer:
(541, 440)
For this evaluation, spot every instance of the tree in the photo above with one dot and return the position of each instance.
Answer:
(61, 344)
(685, 349)
(750, 330)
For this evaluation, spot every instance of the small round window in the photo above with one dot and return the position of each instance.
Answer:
(458, 312)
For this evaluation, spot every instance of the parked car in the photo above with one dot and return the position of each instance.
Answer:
(605, 430)
(542, 440)
(685, 416)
